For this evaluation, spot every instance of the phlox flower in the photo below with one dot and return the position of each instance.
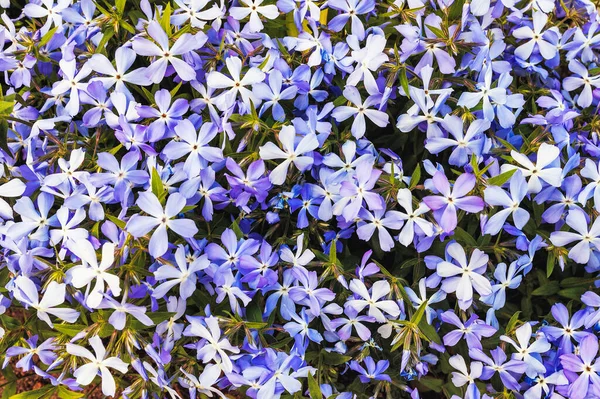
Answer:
(466, 276)
(98, 362)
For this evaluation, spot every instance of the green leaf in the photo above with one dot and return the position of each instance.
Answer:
(455, 10)
(404, 81)
(106, 36)
(70, 329)
(512, 322)
(416, 318)
(35, 394)
(435, 384)
(165, 20)
(416, 176)
(550, 288)
(573, 293)
(550, 264)
(6, 107)
(120, 223)
(334, 359)
(46, 38)
(313, 387)
(436, 31)
(175, 90)
(158, 187)
(64, 393)
(120, 5)
(501, 178)
(429, 331)
(4, 136)
(464, 237)
(10, 388)
(236, 229)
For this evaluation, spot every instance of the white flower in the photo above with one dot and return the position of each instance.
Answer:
(86, 373)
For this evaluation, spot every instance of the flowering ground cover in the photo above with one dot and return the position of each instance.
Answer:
(296, 198)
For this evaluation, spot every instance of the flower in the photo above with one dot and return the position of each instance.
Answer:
(215, 347)
(465, 276)
(26, 292)
(542, 171)
(588, 238)
(291, 153)
(254, 8)
(139, 226)
(380, 289)
(586, 364)
(89, 270)
(183, 275)
(445, 206)
(373, 371)
(98, 362)
(166, 54)
(360, 111)
(528, 353)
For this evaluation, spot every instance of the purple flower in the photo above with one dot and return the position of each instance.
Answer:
(585, 366)
(454, 198)
(497, 364)
(372, 371)
(472, 330)
(166, 115)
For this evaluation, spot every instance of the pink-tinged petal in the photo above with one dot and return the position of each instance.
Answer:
(463, 184)
(470, 204)
(440, 181)
(449, 219)
(435, 202)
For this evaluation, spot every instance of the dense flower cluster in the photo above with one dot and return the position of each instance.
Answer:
(301, 198)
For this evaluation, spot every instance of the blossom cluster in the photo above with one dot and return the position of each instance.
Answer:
(300, 198)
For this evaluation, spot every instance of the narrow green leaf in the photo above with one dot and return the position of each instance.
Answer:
(64, 393)
(70, 329)
(416, 177)
(120, 6)
(4, 136)
(35, 394)
(334, 359)
(158, 187)
(46, 38)
(547, 289)
(120, 223)
(313, 387)
(165, 20)
(404, 81)
(416, 318)
(501, 178)
(514, 319)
